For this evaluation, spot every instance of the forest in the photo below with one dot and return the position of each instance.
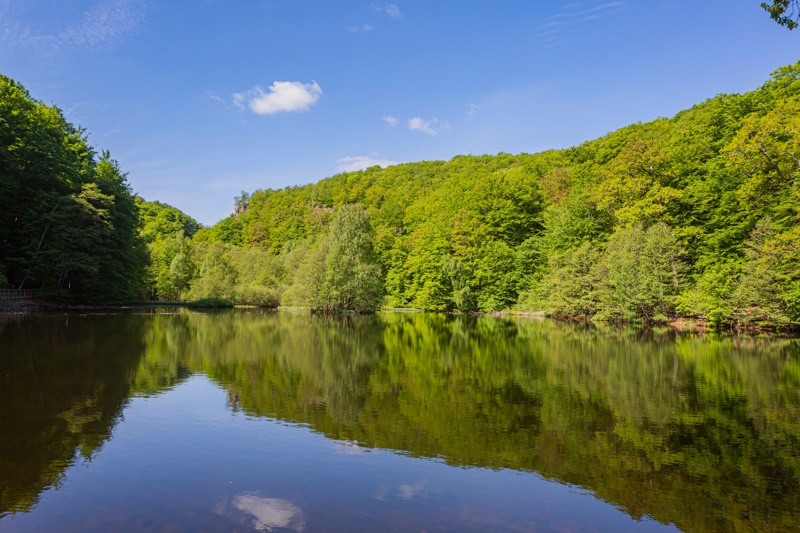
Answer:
(697, 215)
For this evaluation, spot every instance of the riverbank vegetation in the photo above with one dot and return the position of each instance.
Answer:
(694, 215)
(68, 218)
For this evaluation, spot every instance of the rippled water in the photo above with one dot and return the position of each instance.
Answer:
(259, 421)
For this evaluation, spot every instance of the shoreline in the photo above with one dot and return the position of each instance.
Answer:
(680, 324)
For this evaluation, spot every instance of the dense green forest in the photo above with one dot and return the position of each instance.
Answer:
(68, 218)
(698, 215)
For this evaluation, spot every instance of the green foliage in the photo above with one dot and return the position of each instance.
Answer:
(768, 287)
(643, 272)
(162, 220)
(784, 12)
(167, 231)
(644, 223)
(310, 286)
(219, 303)
(570, 286)
(68, 219)
(341, 272)
(353, 273)
(245, 276)
(168, 283)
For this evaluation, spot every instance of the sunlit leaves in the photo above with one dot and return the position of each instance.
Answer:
(784, 12)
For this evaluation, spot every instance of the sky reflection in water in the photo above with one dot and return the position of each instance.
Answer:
(278, 422)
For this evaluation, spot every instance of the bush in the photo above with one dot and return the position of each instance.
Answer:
(216, 303)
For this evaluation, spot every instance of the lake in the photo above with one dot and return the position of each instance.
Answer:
(246, 420)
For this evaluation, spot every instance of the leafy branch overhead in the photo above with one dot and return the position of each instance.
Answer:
(784, 12)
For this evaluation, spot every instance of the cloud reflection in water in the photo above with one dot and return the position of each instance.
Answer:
(270, 513)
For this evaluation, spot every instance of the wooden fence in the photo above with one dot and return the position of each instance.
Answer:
(13, 295)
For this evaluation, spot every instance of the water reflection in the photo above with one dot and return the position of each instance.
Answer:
(698, 431)
(268, 514)
(60, 397)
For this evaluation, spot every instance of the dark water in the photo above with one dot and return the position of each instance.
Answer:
(243, 421)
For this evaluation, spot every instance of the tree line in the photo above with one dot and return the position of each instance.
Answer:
(68, 218)
(696, 214)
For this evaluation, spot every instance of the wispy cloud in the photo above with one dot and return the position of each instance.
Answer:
(216, 98)
(281, 97)
(604, 7)
(106, 22)
(569, 15)
(103, 24)
(360, 29)
(432, 127)
(407, 492)
(390, 120)
(393, 10)
(353, 163)
(472, 109)
(390, 10)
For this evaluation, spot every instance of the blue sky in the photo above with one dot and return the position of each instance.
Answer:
(201, 99)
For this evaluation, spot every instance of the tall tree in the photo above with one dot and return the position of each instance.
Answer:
(353, 271)
(68, 220)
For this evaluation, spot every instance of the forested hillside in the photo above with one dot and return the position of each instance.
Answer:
(695, 214)
(698, 214)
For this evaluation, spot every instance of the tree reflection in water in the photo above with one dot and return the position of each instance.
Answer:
(699, 431)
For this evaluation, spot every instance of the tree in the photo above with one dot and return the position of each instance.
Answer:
(122, 258)
(766, 150)
(353, 271)
(570, 287)
(81, 226)
(644, 272)
(181, 272)
(69, 223)
(632, 185)
(311, 287)
(769, 287)
(784, 12)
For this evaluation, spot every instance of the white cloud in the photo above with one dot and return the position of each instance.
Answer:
(283, 96)
(390, 120)
(393, 11)
(472, 109)
(431, 127)
(353, 163)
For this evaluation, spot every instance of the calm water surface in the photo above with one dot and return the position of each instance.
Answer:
(258, 421)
